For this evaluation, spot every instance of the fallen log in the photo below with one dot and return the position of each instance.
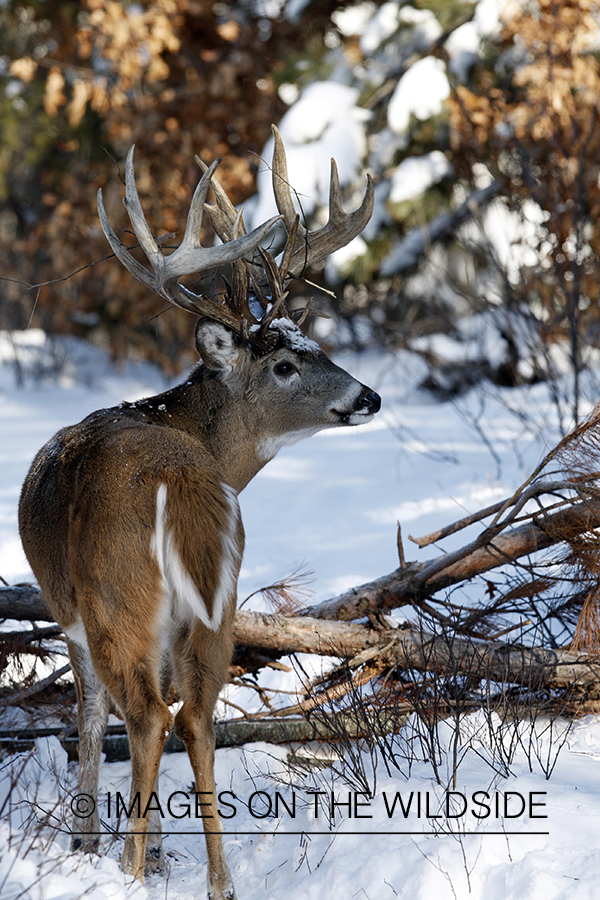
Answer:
(411, 648)
(416, 649)
(232, 733)
(327, 629)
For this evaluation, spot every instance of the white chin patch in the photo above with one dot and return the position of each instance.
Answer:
(359, 418)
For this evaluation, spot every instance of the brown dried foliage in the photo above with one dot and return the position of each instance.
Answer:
(547, 110)
(176, 79)
(531, 115)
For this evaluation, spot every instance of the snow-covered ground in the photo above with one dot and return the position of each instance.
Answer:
(330, 504)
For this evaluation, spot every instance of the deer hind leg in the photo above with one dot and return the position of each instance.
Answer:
(92, 716)
(149, 722)
(201, 672)
(132, 679)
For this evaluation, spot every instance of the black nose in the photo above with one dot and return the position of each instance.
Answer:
(369, 400)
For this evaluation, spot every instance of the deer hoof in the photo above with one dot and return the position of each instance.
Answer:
(154, 863)
(87, 844)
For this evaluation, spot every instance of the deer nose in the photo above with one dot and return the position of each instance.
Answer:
(369, 400)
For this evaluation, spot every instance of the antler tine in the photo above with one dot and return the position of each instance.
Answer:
(189, 258)
(290, 245)
(120, 251)
(241, 279)
(340, 229)
(223, 214)
(278, 295)
(240, 295)
(300, 315)
(136, 215)
(281, 184)
(179, 295)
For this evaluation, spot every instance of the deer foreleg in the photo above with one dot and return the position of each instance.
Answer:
(92, 716)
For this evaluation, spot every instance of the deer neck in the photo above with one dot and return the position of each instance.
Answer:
(205, 408)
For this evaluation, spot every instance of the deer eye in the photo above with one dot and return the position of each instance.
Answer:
(284, 368)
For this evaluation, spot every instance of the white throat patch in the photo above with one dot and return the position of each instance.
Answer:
(269, 447)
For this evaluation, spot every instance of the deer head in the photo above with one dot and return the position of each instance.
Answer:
(276, 385)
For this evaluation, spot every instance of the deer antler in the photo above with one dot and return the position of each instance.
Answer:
(189, 258)
(311, 246)
(302, 247)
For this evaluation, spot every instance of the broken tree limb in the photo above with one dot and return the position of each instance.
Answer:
(412, 648)
(38, 687)
(417, 242)
(302, 634)
(427, 539)
(422, 580)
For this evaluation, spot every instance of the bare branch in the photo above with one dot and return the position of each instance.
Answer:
(18, 696)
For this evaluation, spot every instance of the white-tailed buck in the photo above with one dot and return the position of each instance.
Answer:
(130, 520)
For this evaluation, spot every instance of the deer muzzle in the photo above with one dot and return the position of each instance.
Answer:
(368, 401)
(366, 404)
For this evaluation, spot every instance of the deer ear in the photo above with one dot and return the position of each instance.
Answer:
(216, 344)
